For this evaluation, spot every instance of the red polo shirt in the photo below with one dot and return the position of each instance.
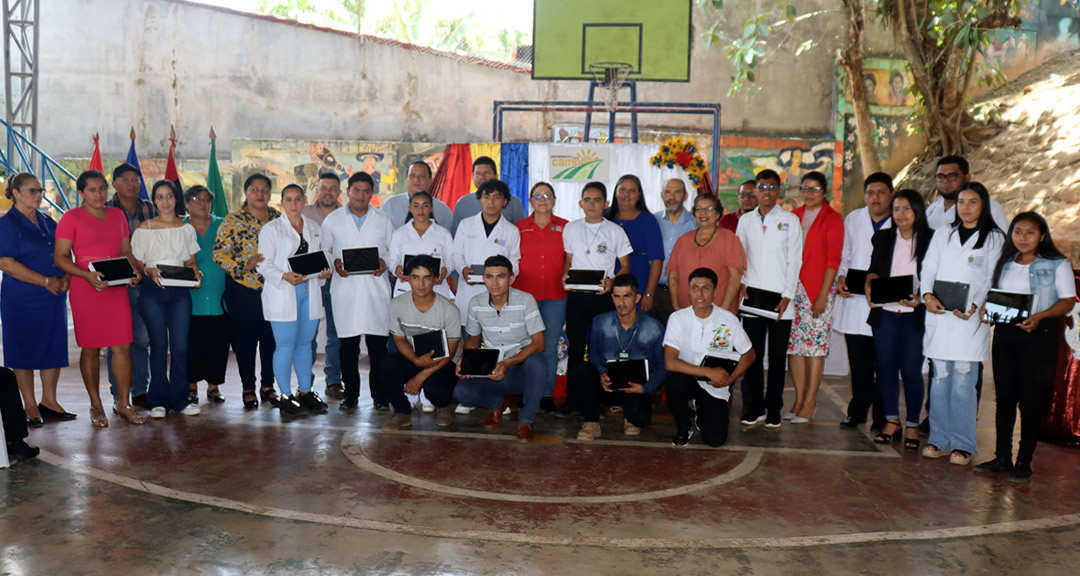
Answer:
(542, 258)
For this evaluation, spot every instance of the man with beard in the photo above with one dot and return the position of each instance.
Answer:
(747, 202)
(674, 221)
(952, 173)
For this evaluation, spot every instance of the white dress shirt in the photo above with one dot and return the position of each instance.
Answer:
(773, 245)
(938, 217)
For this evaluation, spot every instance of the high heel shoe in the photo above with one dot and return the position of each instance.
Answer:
(268, 395)
(98, 418)
(887, 438)
(911, 444)
(214, 395)
(796, 419)
(132, 417)
(250, 401)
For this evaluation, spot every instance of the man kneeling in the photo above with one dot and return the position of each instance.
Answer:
(421, 313)
(694, 333)
(509, 320)
(620, 336)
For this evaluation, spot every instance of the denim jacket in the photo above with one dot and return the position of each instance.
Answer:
(647, 335)
(1041, 273)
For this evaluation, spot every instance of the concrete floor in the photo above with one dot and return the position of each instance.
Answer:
(236, 492)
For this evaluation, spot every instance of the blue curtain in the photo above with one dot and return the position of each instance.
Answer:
(514, 170)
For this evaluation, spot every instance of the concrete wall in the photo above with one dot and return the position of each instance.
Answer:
(109, 64)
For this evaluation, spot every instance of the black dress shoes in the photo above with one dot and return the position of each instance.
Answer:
(35, 422)
(19, 450)
(349, 403)
(47, 412)
(850, 423)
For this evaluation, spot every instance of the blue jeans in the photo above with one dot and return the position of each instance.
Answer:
(166, 313)
(331, 365)
(526, 379)
(293, 345)
(899, 353)
(553, 312)
(140, 374)
(953, 405)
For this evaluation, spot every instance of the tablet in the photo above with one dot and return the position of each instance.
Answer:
(360, 260)
(953, 295)
(116, 271)
(479, 362)
(434, 341)
(623, 372)
(477, 276)
(582, 280)
(891, 290)
(761, 303)
(1007, 307)
(310, 264)
(856, 281)
(178, 276)
(717, 362)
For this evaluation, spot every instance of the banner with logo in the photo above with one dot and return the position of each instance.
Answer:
(582, 163)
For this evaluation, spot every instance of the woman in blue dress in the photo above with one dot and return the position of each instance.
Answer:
(628, 210)
(33, 300)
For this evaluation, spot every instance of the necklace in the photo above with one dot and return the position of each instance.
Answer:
(700, 245)
(623, 354)
(588, 246)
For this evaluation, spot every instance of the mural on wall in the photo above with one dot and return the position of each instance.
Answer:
(301, 161)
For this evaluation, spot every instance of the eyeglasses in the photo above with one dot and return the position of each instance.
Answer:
(203, 199)
(951, 177)
(32, 191)
(768, 188)
(814, 189)
(704, 208)
(543, 196)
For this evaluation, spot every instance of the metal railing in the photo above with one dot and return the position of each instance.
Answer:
(19, 154)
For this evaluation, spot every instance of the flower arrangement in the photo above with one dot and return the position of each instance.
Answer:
(683, 153)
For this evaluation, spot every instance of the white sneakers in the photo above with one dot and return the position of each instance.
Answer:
(462, 409)
(189, 410)
(158, 412)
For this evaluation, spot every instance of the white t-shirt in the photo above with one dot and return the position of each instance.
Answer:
(720, 335)
(595, 246)
(1016, 279)
(168, 246)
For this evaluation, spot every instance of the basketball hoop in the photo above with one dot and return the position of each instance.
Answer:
(610, 76)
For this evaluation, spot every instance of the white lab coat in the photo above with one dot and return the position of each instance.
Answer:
(472, 246)
(361, 301)
(851, 313)
(277, 242)
(948, 337)
(774, 250)
(938, 217)
(436, 242)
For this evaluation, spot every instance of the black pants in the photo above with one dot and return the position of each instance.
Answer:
(1024, 367)
(581, 308)
(350, 366)
(208, 349)
(637, 408)
(11, 407)
(397, 370)
(712, 412)
(865, 394)
(662, 304)
(766, 400)
(250, 331)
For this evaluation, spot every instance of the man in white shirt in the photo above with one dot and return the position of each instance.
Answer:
(328, 199)
(703, 329)
(952, 173)
(418, 180)
(484, 169)
(591, 243)
(360, 300)
(773, 241)
(852, 310)
(675, 220)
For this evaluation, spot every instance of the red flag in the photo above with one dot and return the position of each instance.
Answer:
(171, 173)
(95, 159)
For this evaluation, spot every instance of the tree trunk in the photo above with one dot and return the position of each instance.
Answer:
(852, 60)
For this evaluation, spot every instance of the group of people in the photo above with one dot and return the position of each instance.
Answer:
(673, 292)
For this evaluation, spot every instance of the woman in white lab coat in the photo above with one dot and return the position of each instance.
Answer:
(420, 234)
(956, 341)
(486, 234)
(292, 303)
(361, 301)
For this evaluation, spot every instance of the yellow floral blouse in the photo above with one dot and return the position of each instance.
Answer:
(237, 242)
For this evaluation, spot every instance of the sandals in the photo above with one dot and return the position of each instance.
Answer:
(269, 395)
(132, 417)
(931, 451)
(911, 444)
(98, 418)
(887, 438)
(214, 394)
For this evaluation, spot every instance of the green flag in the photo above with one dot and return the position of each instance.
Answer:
(213, 182)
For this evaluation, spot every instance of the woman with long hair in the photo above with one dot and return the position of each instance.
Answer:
(898, 328)
(647, 260)
(1025, 352)
(956, 340)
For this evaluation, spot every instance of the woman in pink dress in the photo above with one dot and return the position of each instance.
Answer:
(102, 314)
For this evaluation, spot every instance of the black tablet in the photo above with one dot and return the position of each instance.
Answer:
(623, 372)
(178, 276)
(309, 264)
(434, 341)
(582, 280)
(856, 281)
(479, 362)
(717, 362)
(116, 271)
(477, 276)
(1006, 307)
(761, 302)
(953, 295)
(891, 290)
(360, 260)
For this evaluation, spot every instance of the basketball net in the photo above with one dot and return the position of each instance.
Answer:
(609, 77)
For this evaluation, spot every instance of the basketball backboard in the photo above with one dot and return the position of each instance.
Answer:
(653, 37)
